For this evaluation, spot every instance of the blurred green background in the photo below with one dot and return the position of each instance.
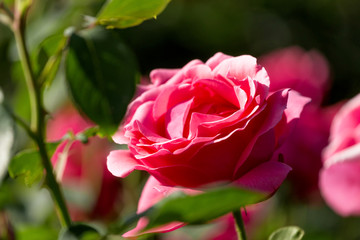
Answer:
(190, 29)
(198, 28)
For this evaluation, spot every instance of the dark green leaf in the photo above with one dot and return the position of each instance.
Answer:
(79, 232)
(101, 74)
(27, 167)
(200, 208)
(287, 233)
(6, 138)
(128, 13)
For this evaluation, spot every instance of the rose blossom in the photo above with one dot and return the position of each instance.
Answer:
(308, 74)
(339, 177)
(83, 170)
(205, 123)
(208, 122)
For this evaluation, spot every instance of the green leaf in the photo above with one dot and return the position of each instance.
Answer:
(36, 233)
(79, 232)
(101, 73)
(128, 13)
(26, 166)
(287, 233)
(48, 58)
(6, 138)
(200, 208)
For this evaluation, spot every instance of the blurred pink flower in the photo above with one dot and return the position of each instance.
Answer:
(293, 67)
(93, 192)
(307, 73)
(340, 176)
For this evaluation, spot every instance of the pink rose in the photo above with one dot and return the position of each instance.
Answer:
(83, 171)
(208, 122)
(307, 73)
(205, 123)
(339, 177)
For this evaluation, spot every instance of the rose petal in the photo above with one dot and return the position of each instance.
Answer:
(161, 76)
(170, 97)
(340, 186)
(198, 72)
(266, 177)
(266, 120)
(121, 163)
(134, 233)
(145, 97)
(181, 175)
(217, 59)
(198, 119)
(175, 119)
(171, 76)
(179, 77)
(295, 105)
(351, 153)
(347, 119)
(239, 68)
(221, 89)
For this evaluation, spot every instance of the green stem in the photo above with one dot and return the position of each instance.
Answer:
(34, 96)
(239, 225)
(37, 124)
(54, 186)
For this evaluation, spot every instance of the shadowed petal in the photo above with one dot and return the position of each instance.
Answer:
(266, 177)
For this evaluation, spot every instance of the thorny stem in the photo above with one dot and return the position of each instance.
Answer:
(37, 124)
